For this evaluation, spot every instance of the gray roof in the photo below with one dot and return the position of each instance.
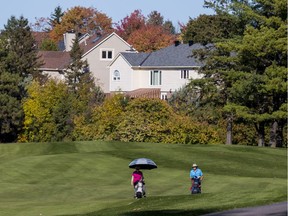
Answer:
(135, 59)
(172, 56)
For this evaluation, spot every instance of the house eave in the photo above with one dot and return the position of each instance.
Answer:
(51, 69)
(165, 67)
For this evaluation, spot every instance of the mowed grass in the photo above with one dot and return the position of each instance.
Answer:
(93, 178)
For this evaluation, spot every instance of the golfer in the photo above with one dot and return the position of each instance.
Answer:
(196, 173)
(137, 176)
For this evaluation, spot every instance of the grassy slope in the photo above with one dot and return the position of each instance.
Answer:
(93, 178)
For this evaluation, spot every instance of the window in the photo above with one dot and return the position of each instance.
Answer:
(106, 54)
(155, 78)
(184, 74)
(116, 75)
(164, 96)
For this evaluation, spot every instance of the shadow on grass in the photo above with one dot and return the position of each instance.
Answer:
(194, 212)
(168, 212)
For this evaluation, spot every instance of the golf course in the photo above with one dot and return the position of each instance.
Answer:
(93, 178)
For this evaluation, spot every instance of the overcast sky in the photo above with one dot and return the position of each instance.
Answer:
(175, 11)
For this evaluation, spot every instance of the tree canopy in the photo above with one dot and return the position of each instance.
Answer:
(244, 67)
(83, 20)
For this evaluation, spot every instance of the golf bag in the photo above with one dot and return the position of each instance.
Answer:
(139, 190)
(196, 186)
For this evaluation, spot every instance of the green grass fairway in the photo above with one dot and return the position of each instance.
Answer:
(93, 178)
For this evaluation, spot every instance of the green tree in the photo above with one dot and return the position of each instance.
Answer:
(86, 94)
(19, 63)
(211, 28)
(48, 45)
(21, 51)
(169, 27)
(77, 67)
(155, 18)
(241, 67)
(55, 18)
(11, 113)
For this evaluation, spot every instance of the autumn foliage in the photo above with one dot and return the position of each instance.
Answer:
(150, 38)
(141, 120)
(83, 20)
(144, 35)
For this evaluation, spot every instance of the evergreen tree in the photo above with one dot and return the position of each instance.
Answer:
(55, 18)
(169, 27)
(155, 18)
(11, 113)
(81, 82)
(77, 67)
(48, 45)
(246, 69)
(19, 63)
(212, 28)
(21, 50)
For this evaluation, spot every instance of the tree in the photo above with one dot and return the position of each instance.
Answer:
(11, 113)
(211, 28)
(150, 38)
(48, 45)
(21, 51)
(77, 68)
(155, 18)
(82, 20)
(18, 57)
(169, 27)
(130, 24)
(81, 82)
(41, 24)
(240, 67)
(55, 18)
(47, 112)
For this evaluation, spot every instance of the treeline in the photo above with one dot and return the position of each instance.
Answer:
(144, 33)
(52, 113)
(241, 99)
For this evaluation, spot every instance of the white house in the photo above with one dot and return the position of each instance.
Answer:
(160, 72)
(99, 50)
(117, 67)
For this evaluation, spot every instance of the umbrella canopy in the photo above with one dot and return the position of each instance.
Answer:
(143, 163)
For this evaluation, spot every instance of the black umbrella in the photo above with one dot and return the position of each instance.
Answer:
(143, 163)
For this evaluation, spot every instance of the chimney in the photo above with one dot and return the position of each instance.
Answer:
(177, 43)
(190, 42)
(69, 38)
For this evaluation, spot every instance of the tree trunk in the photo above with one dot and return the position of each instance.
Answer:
(261, 134)
(273, 134)
(229, 132)
(279, 134)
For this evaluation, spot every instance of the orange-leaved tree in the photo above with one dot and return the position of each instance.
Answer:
(82, 20)
(151, 38)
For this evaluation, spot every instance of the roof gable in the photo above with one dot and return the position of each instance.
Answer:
(61, 59)
(135, 59)
(96, 40)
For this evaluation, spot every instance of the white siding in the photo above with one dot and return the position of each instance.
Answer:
(98, 67)
(126, 73)
(171, 79)
(55, 75)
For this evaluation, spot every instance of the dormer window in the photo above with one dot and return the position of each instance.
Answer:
(106, 54)
(116, 75)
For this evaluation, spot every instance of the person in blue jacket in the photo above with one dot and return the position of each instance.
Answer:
(196, 173)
